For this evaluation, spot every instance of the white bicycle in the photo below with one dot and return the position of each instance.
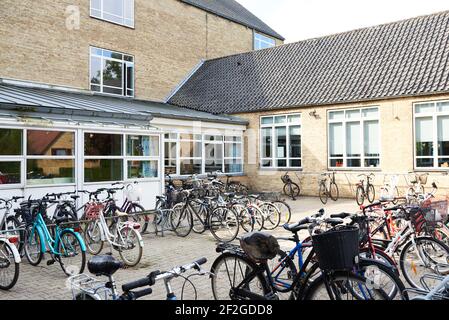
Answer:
(389, 191)
(124, 236)
(9, 261)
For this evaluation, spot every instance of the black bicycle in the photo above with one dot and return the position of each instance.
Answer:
(202, 215)
(328, 188)
(291, 189)
(365, 190)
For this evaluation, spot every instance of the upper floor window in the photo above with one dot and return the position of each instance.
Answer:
(111, 72)
(354, 138)
(116, 11)
(280, 141)
(432, 135)
(263, 42)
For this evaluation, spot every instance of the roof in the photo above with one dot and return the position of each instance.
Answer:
(405, 58)
(72, 104)
(234, 11)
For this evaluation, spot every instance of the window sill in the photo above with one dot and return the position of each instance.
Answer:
(280, 169)
(355, 169)
(112, 22)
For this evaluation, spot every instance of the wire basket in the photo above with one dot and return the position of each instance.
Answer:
(83, 285)
(423, 178)
(337, 248)
(438, 212)
(92, 210)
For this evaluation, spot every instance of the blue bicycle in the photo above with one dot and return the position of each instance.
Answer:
(64, 245)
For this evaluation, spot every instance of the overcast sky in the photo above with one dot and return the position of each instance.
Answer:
(304, 19)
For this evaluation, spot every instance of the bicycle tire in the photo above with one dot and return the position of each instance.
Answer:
(285, 263)
(334, 196)
(271, 219)
(371, 193)
(137, 208)
(69, 268)
(360, 195)
(128, 262)
(37, 242)
(12, 264)
(92, 226)
(323, 194)
(250, 265)
(181, 220)
(226, 216)
(288, 211)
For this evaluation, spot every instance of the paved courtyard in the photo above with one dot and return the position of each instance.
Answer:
(160, 253)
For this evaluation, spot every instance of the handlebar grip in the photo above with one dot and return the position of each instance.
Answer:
(342, 215)
(140, 294)
(201, 261)
(136, 284)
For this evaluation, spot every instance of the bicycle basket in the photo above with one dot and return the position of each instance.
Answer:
(423, 178)
(28, 211)
(337, 248)
(440, 211)
(259, 246)
(92, 210)
(285, 178)
(84, 286)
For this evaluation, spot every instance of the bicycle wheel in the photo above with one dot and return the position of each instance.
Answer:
(181, 220)
(257, 218)
(130, 248)
(360, 195)
(271, 215)
(92, 237)
(199, 217)
(425, 257)
(371, 193)
(380, 255)
(283, 272)
(9, 269)
(136, 210)
(246, 220)
(284, 210)
(229, 270)
(32, 246)
(70, 254)
(292, 190)
(324, 195)
(224, 224)
(334, 193)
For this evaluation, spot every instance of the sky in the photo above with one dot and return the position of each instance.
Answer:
(304, 19)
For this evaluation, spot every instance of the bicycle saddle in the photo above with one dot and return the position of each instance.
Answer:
(259, 246)
(104, 265)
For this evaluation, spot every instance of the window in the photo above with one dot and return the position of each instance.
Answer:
(111, 72)
(263, 42)
(281, 141)
(106, 161)
(11, 151)
(116, 11)
(432, 135)
(354, 137)
(44, 163)
(187, 154)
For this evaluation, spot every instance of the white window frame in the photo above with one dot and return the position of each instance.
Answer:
(274, 159)
(123, 157)
(344, 121)
(203, 141)
(123, 18)
(124, 63)
(434, 116)
(16, 158)
(260, 39)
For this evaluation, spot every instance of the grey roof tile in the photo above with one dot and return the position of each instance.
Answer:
(405, 58)
(234, 11)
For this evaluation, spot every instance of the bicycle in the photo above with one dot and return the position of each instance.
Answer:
(66, 246)
(417, 181)
(291, 189)
(9, 222)
(9, 261)
(365, 190)
(125, 237)
(328, 187)
(222, 222)
(85, 287)
(389, 190)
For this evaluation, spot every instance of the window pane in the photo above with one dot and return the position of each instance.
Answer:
(190, 149)
(95, 70)
(143, 169)
(266, 163)
(424, 163)
(353, 114)
(336, 115)
(374, 163)
(233, 166)
(99, 144)
(336, 163)
(113, 6)
(443, 163)
(213, 138)
(233, 150)
(295, 119)
(267, 120)
(282, 163)
(129, 9)
(443, 107)
(40, 171)
(113, 91)
(190, 167)
(10, 142)
(371, 138)
(142, 146)
(214, 157)
(112, 74)
(424, 137)
(95, 4)
(170, 150)
(50, 143)
(354, 163)
(295, 163)
(266, 142)
(443, 136)
(281, 142)
(103, 170)
(10, 172)
(336, 139)
(130, 77)
(233, 139)
(295, 142)
(370, 113)
(425, 108)
(280, 119)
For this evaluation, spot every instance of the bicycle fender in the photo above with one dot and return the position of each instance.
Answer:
(43, 241)
(14, 250)
(130, 225)
(77, 236)
(371, 261)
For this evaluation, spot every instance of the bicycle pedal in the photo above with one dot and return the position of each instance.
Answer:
(50, 262)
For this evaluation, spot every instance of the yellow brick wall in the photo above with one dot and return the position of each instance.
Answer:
(397, 158)
(169, 39)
